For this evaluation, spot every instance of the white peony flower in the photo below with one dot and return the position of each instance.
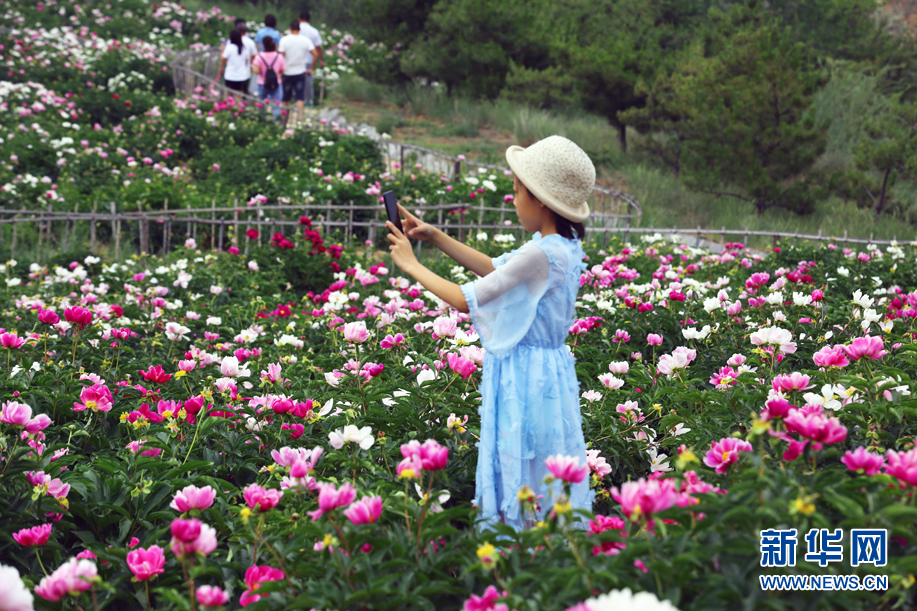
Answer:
(625, 600)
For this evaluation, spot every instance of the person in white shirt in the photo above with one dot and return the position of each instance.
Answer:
(236, 62)
(300, 55)
(306, 29)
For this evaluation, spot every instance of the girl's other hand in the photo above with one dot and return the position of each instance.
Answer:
(402, 253)
(414, 227)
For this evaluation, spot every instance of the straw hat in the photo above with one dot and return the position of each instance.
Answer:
(557, 172)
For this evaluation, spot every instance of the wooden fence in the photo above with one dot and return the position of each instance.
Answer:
(213, 225)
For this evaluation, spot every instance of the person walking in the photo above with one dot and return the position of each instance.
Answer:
(236, 62)
(270, 66)
(269, 30)
(306, 29)
(297, 52)
(522, 307)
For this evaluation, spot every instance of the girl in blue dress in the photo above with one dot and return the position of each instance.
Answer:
(522, 307)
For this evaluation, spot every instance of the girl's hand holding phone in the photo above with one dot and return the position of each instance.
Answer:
(414, 227)
(402, 253)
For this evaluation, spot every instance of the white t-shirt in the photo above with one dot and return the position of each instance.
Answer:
(297, 50)
(239, 65)
(305, 29)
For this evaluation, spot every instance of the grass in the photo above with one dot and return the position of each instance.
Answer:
(482, 130)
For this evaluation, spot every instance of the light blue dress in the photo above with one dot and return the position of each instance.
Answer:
(530, 406)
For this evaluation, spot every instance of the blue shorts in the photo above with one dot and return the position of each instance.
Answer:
(294, 87)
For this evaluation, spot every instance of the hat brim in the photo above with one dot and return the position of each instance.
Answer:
(576, 214)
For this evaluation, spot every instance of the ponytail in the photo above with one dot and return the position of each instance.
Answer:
(566, 228)
(235, 38)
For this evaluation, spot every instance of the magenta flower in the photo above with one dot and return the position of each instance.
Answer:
(10, 340)
(78, 315)
(792, 381)
(203, 543)
(211, 596)
(365, 511)
(431, 454)
(156, 375)
(862, 461)
(15, 413)
(392, 341)
(645, 497)
(356, 332)
(831, 357)
(186, 531)
(724, 452)
(331, 498)
(566, 468)
(654, 339)
(35, 536)
(815, 426)
(75, 576)
(260, 498)
(868, 346)
(96, 398)
(146, 563)
(192, 497)
(49, 317)
(254, 577)
(273, 373)
(776, 408)
(461, 365)
(487, 602)
(903, 465)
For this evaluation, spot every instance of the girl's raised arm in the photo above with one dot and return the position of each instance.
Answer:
(464, 255)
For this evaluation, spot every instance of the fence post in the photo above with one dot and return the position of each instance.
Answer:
(746, 237)
(723, 239)
(456, 169)
(40, 235)
(15, 230)
(235, 223)
(92, 228)
(627, 230)
(348, 237)
(401, 167)
(144, 230)
(776, 239)
(116, 229)
(222, 225)
(167, 225)
(481, 214)
(328, 216)
(461, 216)
(845, 238)
(697, 239)
(213, 218)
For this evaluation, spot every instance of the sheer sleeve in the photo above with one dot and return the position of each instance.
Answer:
(503, 303)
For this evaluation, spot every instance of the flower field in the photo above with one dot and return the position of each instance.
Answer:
(295, 428)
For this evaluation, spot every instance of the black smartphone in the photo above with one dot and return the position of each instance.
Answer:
(391, 209)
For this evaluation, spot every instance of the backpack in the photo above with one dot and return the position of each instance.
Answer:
(271, 83)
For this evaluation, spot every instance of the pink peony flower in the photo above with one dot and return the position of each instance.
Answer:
(603, 524)
(203, 543)
(487, 602)
(831, 357)
(645, 497)
(258, 497)
(15, 413)
(49, 317)
(78, 316)
(211, 596)
(96, 398)
(37, 535)
(724, 452)
(365, 511)
(867, 346)
(792, 381)
(392, 341)
(776, 408)
(815, 426)
(566, 468)
(146, 563)
(254, 577)
(356, 332)
(192, 497)
(653, 339)
(862, 461)
(431, 454)
(156, 375)
(10, 340)
(461, 365)
(903, 465)
(331, 498)
(75, 576)
(445, 327)
(597, 464)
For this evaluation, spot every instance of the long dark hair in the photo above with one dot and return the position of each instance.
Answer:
(235, 38)
(269, 45)
(566, 227)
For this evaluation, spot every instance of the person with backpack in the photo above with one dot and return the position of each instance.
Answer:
(270, 66)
